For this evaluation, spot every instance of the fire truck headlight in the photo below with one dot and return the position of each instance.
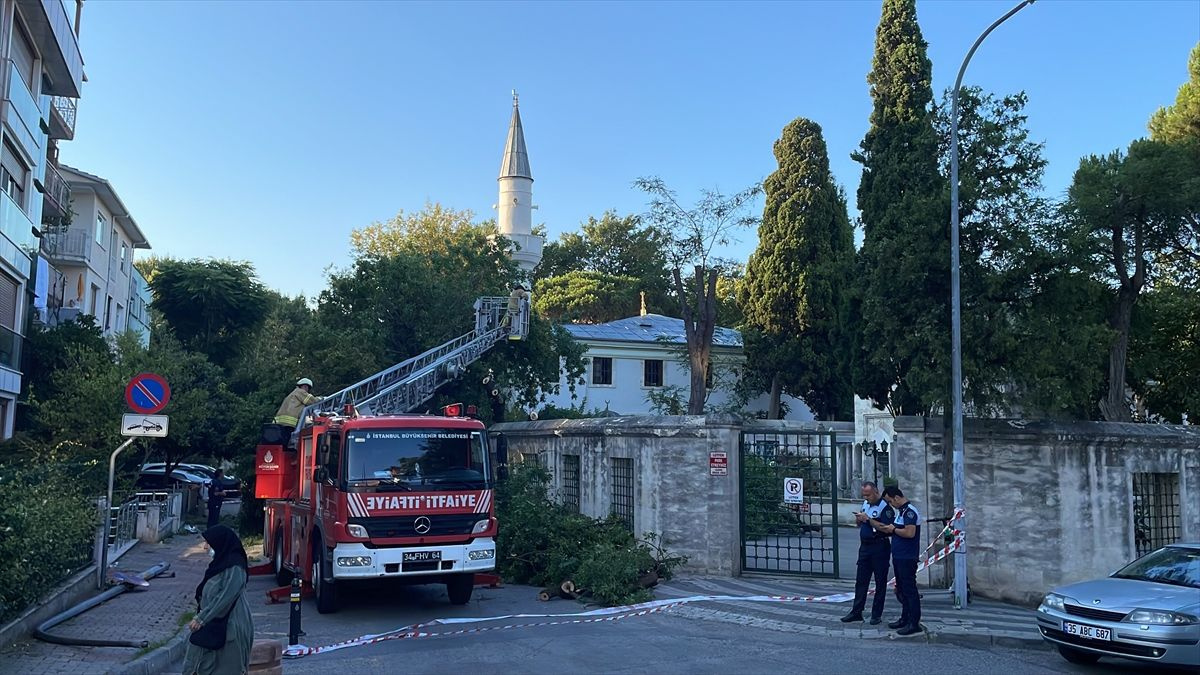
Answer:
(486, 554)
(354, 561)
(482, 526)
(357, 531)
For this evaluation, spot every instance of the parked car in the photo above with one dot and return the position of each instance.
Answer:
(152, 479)
(230, 484)
(1147, 611)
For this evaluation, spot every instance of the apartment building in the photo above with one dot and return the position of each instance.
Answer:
(41, 76)
(92, 259)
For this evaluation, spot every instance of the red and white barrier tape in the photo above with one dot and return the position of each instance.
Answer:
(592, 616)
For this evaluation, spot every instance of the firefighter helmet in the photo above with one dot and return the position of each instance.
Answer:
(303, 381)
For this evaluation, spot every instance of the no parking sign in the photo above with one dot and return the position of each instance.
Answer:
(793, 490)
(147, 393)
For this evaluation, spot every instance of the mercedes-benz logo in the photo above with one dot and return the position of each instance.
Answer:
(422, 525)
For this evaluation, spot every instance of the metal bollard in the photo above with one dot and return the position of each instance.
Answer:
(294, 631)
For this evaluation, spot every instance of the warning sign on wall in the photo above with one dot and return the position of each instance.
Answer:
(718, 464)
(793, 490)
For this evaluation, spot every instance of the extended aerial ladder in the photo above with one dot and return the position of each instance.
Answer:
(404, 387)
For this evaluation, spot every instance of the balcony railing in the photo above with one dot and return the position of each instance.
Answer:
(62, 117)
(67, 245)
(10, 348)
(58, 196)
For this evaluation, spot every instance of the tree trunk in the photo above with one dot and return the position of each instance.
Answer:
(776, 390)
(698, 359)
(1114, 407)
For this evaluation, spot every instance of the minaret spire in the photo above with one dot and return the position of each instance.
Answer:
(515, 208)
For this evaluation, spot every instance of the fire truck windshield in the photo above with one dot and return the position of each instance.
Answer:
(411, 459)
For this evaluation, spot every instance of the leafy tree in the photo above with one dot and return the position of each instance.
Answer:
(903, 356)
(617, 248)
(1181, 121)
(1130, 209)
(691, 235)
(210, 305)
(1165, 351)
(412, 288)
(1022, 290)
(586, 297)
(796, 278)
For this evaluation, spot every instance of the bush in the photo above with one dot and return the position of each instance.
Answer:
(544, 544)
(47, 527)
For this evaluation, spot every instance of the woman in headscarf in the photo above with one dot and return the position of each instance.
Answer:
(222, 593)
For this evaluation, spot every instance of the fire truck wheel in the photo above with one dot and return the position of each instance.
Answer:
(325, 591)
(459, 588)
(283, 576)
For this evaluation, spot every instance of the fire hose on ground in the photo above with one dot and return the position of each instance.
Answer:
(42, 631)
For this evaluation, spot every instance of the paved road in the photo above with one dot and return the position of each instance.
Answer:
(677, 641)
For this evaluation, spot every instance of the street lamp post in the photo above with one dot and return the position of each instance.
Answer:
(960, 557)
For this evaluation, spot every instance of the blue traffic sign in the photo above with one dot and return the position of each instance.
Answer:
(147, 393)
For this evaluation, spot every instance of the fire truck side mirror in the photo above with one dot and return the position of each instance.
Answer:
(321, 474)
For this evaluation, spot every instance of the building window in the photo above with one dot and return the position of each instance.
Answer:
(101, 228)
(14, 175)
(1156, 511)
(602, 370)
(622, 489)
(652, 373)
(95, 299)
(23, 56)
(570, 482)
(108, 306)
(124, 255)
(9, 290)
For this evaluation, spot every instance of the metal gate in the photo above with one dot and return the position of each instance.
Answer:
(789, 502)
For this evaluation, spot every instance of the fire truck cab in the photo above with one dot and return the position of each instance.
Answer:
(404, 498)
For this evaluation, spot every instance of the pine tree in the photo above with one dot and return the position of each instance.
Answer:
(793, 292)
(902, 298)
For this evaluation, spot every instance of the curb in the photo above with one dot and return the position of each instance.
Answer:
(70, 592)
(160, 660)
(992, 638)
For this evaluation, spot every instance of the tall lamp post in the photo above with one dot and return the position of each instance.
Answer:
(960, 558)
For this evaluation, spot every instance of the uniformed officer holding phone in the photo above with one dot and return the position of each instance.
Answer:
(874, 550)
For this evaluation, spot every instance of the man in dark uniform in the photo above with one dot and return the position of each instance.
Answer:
(906, 545)
(874, 549)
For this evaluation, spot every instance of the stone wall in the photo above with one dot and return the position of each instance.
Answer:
(695, 513)
(1048, 503)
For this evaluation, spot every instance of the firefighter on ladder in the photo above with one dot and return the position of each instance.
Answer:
(294, 404)
(515, 305)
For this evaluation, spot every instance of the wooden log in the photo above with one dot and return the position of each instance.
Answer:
(568, 587)
(546, 594)
(648, 580)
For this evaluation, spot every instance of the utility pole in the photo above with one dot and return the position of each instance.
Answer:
(960, 557)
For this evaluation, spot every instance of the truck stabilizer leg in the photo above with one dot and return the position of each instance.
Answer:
(488, 580)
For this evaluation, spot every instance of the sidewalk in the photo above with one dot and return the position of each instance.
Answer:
(983, 622)
(154, 614)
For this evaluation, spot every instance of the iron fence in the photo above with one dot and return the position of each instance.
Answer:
(570, 482)
(622, 489)
(1156, 511)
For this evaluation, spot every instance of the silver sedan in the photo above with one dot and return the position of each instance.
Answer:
(1147, 611)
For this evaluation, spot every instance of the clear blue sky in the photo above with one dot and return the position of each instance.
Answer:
(266, 131)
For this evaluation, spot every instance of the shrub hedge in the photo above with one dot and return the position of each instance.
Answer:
(47, 527)
(544, 544)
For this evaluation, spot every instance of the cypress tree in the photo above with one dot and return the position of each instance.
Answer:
(902, 294)
(792, 295)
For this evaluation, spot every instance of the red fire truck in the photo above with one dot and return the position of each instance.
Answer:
(362, 489)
